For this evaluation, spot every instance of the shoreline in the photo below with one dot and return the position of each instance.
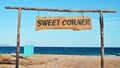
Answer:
(60, 54)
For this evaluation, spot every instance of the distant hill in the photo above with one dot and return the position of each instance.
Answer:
(4, 45)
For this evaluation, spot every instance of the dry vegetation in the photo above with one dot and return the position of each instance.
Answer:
(60, 61)
(5, 58)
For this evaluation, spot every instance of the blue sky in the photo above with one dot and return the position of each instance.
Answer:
(67, 38)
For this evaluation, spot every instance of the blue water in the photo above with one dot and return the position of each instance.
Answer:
(92, 51)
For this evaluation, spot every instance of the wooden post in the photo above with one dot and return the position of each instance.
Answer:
(18, 38)
(102, 39)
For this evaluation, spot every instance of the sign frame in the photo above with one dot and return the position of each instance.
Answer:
(61, 10)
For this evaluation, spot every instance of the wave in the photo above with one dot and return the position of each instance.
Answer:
(118, 54)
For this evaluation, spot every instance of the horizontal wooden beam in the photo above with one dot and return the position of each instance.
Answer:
(60, 10)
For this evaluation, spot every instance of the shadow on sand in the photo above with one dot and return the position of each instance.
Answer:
(7, 62)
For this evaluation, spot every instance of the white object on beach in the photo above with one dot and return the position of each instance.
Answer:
(13, 54)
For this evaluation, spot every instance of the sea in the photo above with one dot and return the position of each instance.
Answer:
(87, 51)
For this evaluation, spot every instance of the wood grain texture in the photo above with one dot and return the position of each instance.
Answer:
(71, 22)
(62, 10)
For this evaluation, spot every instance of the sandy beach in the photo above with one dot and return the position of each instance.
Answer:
(59, 61)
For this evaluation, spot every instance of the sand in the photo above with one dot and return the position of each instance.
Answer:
(59, 61)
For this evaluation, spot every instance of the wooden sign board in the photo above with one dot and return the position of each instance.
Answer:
(72, 22)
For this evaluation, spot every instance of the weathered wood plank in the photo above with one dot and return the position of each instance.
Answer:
(61, 10)
(68, 22)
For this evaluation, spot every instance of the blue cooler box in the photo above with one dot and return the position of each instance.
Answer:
(28, 50)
